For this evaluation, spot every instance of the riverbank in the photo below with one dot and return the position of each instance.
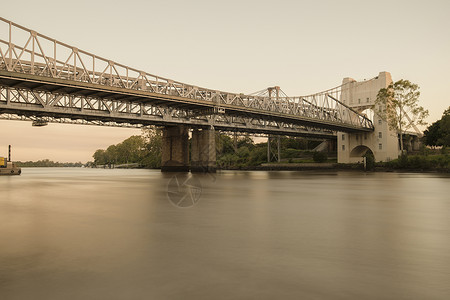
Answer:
(379, 167)
(412, 163)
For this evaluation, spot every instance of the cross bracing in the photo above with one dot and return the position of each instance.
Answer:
(43, 77)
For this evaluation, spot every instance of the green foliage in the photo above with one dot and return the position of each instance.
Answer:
(258, 155)
(48, 163)
(151, 157)
(320, 157)
(232, 151)
(130, 150)
(421, 162)
(400, 108)
(144, 150)
(432, 134)
(227, 160)
(438, 133)
(243, 152)
(245, 141)
(238, 152)
(403, 161)
(291, 153)
(370, 160)
(294, 143)
(224, 144)
(100, 157)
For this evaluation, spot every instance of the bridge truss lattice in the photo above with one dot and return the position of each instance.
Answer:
(43, 78)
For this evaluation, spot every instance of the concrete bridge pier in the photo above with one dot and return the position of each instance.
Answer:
(203, 150)
(411, 143)
(175, 149)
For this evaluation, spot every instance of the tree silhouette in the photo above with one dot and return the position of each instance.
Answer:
(399, 107)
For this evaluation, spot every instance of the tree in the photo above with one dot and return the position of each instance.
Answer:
(99, 157)
(438, 133)
(131, 149)
(445, 129)
(153, 146)
(224, 144)
(432, 134)
(399, 107)
(111, 155)
(320, 157)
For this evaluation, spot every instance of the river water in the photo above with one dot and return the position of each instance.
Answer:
(139, 234)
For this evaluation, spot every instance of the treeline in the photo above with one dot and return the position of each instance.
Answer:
(438, 133)
(144, 149)
(48, 163)
(232, 151)
(236, 152)
(419, 162)
(241, 152)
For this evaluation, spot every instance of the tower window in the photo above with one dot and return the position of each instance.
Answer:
(368, 99)
(380, 135)
(380, 146)
(343, 147)
(343, 137)
(380, 121)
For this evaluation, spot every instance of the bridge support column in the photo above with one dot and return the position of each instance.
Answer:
(416, 143)
(273, 154)
(203, 150)
(175, 149)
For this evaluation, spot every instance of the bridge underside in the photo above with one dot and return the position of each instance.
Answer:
(45, 80)
(39, 96)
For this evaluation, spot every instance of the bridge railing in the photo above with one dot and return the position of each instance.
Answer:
(26, 51)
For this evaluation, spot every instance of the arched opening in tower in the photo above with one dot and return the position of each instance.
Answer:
(360, 151)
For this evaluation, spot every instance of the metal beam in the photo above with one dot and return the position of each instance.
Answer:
(91, 87)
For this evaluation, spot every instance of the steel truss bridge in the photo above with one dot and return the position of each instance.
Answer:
(45, 80)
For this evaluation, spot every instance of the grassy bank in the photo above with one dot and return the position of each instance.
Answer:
(440, 163)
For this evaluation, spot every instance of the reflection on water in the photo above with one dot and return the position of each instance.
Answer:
(114, 234)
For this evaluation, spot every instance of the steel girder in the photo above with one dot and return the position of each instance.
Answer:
(61, 77)
(24, 104)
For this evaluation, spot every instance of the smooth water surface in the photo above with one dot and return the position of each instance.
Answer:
(133, 234)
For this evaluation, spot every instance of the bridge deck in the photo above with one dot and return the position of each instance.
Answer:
(42, 77)
(22, 81)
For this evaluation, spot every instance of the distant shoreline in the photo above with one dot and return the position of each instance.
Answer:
(333, 166)
(281, 167)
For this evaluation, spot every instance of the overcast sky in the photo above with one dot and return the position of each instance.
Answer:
(238, 46)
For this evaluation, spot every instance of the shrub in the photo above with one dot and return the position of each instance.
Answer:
(320, 157)
(291, 153)
(402, 161)
(370, 161)
(420, 162)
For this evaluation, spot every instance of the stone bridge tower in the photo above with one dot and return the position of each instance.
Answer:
(383, 142)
